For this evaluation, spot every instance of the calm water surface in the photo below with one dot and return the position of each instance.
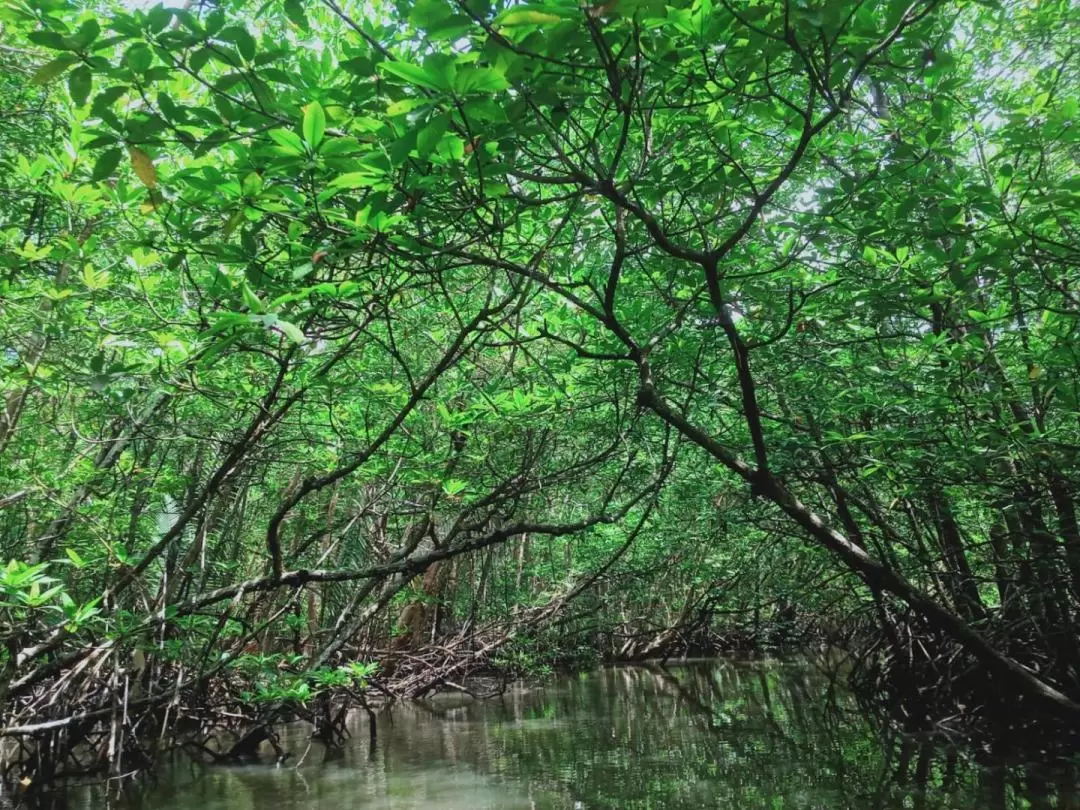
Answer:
(727, 734)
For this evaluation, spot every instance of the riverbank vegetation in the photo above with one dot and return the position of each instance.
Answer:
(353, 350)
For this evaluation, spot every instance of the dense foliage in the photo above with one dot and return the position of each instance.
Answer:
(512, 332)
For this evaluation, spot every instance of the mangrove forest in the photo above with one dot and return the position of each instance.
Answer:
(413, 387)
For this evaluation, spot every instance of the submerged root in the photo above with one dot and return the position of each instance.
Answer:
(55, 737)
(926, 684)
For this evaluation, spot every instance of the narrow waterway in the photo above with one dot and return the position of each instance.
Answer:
(723, 734)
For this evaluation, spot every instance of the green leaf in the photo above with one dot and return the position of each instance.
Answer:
(87, 33)
(527, 17)
(454, 485)
(241, 37)
(49, 39)
(452, 147)
(414, 74)
(79, 83)
(294, 10)
(480, 80)
(939, 110)
(252, 184)
(105, 99)
(76, 560)
(354, 180)
(94, 279)
(428, 138)
(292, 331)
(159, 17)
(406, 105)
(50, 70)
(288, 140)
(251, 299)
(139, 58)
(314, 124)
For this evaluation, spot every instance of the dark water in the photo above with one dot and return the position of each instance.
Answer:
(725, 734)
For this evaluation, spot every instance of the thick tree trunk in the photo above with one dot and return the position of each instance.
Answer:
(961, 580)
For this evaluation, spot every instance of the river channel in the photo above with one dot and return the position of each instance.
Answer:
(720, 734)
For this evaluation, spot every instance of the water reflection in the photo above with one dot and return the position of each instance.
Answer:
(764, 734)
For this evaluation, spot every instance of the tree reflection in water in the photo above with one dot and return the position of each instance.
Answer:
(733, 734)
